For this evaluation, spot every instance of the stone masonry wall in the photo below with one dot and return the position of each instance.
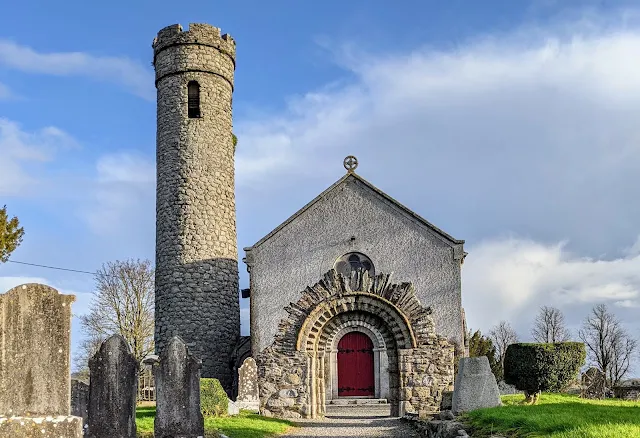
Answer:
(196, 249)
(291, 375)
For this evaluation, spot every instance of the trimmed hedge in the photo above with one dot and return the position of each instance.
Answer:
(213, 399)
(543, 367)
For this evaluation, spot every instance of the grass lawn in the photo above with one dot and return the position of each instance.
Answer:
(245, 425)
(558, 416)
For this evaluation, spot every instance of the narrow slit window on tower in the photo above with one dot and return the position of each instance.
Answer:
(193, 91)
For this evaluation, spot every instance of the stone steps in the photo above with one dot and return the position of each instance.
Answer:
(358, 410)
(358, 402)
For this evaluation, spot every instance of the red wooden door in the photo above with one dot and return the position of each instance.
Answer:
(355, 365)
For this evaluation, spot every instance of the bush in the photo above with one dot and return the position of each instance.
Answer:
(533, 368)
(213, 399)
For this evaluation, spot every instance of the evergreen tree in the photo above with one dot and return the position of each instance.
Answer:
(10, 234)
(483, 346)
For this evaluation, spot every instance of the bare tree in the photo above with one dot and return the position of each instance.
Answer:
(549, 326)
(609, 345)
(502, 335)
(123, 303)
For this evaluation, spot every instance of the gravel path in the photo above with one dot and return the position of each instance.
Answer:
(354, 422)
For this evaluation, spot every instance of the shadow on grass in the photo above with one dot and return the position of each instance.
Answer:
(245, 425)
(146, 412)
(248, 425)
(564, 415)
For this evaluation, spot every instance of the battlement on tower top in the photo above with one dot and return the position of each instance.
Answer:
(198, 33)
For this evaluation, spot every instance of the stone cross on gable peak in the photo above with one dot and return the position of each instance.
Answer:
(350, 163)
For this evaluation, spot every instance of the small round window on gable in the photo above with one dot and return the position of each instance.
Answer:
(354, 261)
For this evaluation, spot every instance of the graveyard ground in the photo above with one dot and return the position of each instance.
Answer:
(558, 416)
(245, 425)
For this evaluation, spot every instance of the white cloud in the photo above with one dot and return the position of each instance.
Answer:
(122, 195)
(80, 305)
(517, 276)
(628, 303)
(534, 132)
(23, 150)
(130, 74)
(125, 167)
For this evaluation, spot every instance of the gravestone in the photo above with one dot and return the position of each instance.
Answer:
(177, 379)
(248, 386)
(35, 375)
(112, 391)
(475, 386)
(80, 400)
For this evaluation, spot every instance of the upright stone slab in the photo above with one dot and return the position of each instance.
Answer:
(475, 386)
(248, 386)
(35, 324)
(80, 400)
(112, 391)
(177, 380)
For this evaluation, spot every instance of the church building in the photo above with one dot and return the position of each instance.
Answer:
(353, 297)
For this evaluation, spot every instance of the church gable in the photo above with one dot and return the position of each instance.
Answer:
(357, 183)
(353, 217)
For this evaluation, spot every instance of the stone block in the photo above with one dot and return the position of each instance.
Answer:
(35, 323)
(112, 391)
(475, 386)
(61, 426)
(233, 408)
(252, 406)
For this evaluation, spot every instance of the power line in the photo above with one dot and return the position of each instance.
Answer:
(53, 267)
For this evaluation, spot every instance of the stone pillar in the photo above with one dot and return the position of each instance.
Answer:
(35, 375)
(196, 249)
(112, 391)
(177, 380)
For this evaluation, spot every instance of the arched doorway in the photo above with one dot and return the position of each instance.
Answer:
(355, 366)
(412, 365)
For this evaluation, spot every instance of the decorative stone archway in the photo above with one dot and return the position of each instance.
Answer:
(295, 373)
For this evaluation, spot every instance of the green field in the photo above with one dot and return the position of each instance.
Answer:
(558, 416)
(245, 425)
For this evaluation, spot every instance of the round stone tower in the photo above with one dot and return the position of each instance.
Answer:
(196, 252)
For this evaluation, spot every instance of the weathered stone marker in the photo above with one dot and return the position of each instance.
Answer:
(475, 386)
(112, 391)
(248, 386)
(80, 399)
(35, 324)
(177, 380)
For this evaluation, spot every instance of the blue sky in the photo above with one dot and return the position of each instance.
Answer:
(511, 125)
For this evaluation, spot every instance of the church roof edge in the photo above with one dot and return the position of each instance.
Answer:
(379, 192)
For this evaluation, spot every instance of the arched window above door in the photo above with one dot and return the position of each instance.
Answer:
(354, 261)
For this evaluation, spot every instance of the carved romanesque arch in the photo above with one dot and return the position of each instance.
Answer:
(294, 372)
